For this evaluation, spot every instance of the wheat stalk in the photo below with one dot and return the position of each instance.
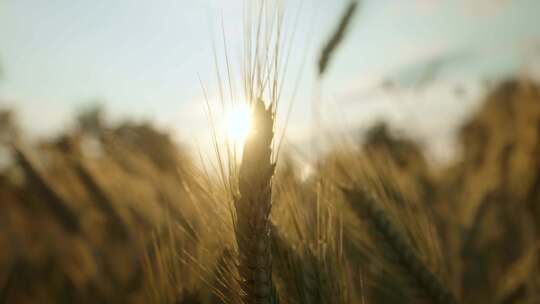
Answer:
(102, 200)
(398, 249)
(337, 36)
(50, 197)
(253, 209)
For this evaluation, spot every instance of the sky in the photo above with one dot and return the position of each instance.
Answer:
(147, 60)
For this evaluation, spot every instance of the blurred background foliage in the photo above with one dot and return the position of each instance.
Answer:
(118, 213)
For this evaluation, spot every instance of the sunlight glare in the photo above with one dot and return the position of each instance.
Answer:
(238, 123)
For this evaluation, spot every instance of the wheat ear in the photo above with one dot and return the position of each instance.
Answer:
(421, 277)
(49, 196)
(253, 209)
(337, 36)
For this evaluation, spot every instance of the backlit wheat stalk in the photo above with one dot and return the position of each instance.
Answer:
(253, 209)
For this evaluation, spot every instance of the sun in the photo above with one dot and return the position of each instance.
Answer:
(238, 123)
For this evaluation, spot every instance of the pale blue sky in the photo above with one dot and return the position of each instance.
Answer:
(144, 57)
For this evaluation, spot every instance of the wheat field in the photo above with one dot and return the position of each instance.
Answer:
(119, 213)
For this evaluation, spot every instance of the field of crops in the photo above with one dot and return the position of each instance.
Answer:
(119, 213)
